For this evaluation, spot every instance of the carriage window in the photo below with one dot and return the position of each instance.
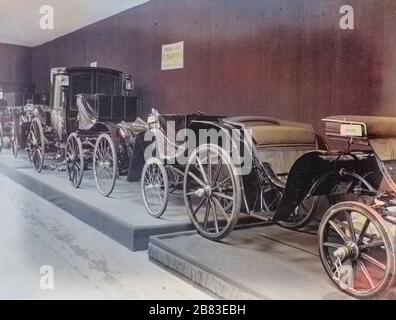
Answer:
(80, 83)
(59, 96)
(107, 84)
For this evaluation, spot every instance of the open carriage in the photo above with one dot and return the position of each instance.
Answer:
(166, 148)
(286, 174)
(165, 172)
(87, 122)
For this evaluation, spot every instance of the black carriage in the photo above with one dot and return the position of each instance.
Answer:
(286, 178)
(88, 122)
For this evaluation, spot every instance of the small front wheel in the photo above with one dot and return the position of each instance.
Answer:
(105, 164)
(74, 157)
(155, 187)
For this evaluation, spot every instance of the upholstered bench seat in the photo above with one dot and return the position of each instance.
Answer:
(282, 135)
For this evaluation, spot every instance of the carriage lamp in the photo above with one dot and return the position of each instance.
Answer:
(129, 84)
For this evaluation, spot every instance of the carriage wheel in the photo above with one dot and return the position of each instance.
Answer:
(155, 187)
(105, 164)
(356, 249)
(74, 156)
(14, 140)
(210, 179)
(36, 145)
(302, 215)
(1, 137)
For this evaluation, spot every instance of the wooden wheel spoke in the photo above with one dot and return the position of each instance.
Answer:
(199, 206)
(222, 211)
(332, 245)
(363, 232)
(373, 261)
(216, 174)
(372, 244)
(222, 195)
(201, 168)
(222, 183)
(350, 226)
(338, 229)
(207, 209)
(216, 222)
(366, 273)
(209, 171)
(200, 182)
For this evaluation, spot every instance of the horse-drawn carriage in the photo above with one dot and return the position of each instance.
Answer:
(22, 110)
(291, 168)
(5, 120)
(87, 122)
(166, 146)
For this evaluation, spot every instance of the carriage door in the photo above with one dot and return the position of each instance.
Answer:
(59, 94)
(80, 83)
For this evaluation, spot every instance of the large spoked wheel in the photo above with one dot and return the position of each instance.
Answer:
(302, 215)
(155, 187)
(14, 139)
(212, 192)
(105, 164)
(356, 249)
(36, 145)
(74, 156)
(1, 137)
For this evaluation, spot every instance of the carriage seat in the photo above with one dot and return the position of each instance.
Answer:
(371, 127)
(270, 131)
(279, 143)
(282, 135)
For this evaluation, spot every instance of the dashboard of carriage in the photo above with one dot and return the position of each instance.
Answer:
(379, 133)
(360, 129)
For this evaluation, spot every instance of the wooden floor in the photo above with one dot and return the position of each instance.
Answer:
(86, 264)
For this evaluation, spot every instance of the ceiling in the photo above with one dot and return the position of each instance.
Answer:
(20, 19)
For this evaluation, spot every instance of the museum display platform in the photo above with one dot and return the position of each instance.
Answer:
(122, 217)
(263, 262)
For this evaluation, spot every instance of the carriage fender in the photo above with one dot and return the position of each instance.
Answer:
(317, 173)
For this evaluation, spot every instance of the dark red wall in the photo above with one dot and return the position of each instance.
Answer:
(282, 58)
(15, 66)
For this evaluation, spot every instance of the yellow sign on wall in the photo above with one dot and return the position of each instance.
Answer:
(173, 56)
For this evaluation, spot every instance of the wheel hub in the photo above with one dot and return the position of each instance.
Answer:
(104, 164)
(349, 250)
(205, 191)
